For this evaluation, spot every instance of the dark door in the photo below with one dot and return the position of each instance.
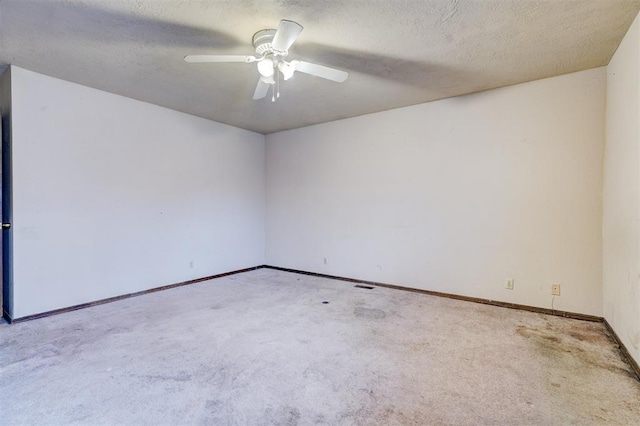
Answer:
(6, 234)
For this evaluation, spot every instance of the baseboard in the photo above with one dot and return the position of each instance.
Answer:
(554, 312)
(565, 314)
(124, 296)
(6, 317)
(623, 348)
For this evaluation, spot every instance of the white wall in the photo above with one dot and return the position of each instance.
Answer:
(113, 196)
(453, 196)
(621, 197)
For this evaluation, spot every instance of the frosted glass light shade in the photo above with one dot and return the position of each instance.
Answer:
(265, 67)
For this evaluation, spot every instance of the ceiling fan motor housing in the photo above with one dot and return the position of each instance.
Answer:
(262, 42)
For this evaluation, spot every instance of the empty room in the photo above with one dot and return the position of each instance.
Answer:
(260, 212)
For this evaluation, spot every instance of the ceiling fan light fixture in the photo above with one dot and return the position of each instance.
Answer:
(265, 67)
(286, 69)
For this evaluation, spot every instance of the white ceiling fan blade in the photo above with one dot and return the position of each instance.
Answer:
(220, 58)
(287, 33)
(320, 71)
(261, 89)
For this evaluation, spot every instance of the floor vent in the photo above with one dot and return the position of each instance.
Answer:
(364, 286)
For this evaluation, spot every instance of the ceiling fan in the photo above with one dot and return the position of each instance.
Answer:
(272, 47)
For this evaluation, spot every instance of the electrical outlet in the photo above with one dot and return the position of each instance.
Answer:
(509, 284)
(555, 289)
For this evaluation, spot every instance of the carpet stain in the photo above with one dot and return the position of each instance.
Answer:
(585, 347)
(369, 313)
(213, 405)
(537, 335)
(589, 336)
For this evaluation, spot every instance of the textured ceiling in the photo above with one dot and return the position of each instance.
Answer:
(398, 53)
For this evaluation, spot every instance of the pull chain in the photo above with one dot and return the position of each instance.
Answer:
(275, 88)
